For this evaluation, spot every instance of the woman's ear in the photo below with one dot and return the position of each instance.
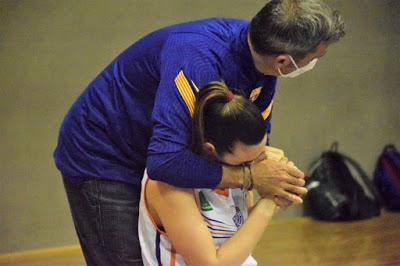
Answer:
(209, 149)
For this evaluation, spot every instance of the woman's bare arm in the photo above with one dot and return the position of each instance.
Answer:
(179, 215)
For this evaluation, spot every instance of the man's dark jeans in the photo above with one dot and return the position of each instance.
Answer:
(105, 215)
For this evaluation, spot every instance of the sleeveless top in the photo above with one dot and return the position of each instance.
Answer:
(223, 211)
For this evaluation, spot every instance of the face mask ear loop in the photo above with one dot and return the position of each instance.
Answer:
(280, 72)
(294, 63)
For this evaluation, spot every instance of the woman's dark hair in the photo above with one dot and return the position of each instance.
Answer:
(223, 118)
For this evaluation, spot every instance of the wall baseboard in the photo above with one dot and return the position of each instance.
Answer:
(37, 253)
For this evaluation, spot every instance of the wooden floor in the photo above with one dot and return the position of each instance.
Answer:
(299, 241)
(62, 256)
(303, 241)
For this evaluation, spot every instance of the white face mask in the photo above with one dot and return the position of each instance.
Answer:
(298, 70)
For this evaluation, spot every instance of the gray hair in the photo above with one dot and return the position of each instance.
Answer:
(294, 27)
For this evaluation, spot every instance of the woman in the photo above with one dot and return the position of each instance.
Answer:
(202, 226)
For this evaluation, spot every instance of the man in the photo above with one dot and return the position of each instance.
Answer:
(136, 114)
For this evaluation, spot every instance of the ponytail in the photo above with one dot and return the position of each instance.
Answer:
(224, 118)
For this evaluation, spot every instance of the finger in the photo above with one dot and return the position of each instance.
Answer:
(283, 203)
(300, 191)
(274, 157)
(284, 160)
(294, 171)
(265, 195)
(274, 153)
(282, 206)
(286, 179)
(290, 197)
(290, 164)
(274, 150)
(278, 200)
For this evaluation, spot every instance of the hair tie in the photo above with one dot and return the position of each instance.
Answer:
(229, 96)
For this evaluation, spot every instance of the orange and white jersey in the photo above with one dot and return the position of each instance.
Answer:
(155, 245)
(223, 211)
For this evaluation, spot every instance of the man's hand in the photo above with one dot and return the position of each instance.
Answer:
(273, 153)
(272, 178)
(277, 178)
(282, 203)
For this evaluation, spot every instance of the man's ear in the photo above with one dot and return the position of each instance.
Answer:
(209, 149)
(282, 60)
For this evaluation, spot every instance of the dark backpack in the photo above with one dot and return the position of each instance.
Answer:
(339, 190)
(387, 177)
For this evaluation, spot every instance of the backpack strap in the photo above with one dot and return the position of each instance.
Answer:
(314, 165)
(365, 178)
(334, 146)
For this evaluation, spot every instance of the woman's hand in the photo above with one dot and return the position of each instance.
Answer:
(277, 178)
(266, 207)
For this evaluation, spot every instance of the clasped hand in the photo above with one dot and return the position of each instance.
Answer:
(277, 178)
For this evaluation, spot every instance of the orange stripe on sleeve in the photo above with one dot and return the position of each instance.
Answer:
(267, 111)
(186, 91)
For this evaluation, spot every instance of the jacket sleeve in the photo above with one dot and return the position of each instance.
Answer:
(184, 69)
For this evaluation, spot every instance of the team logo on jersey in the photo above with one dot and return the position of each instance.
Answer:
(204, 204)
(238, 217)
